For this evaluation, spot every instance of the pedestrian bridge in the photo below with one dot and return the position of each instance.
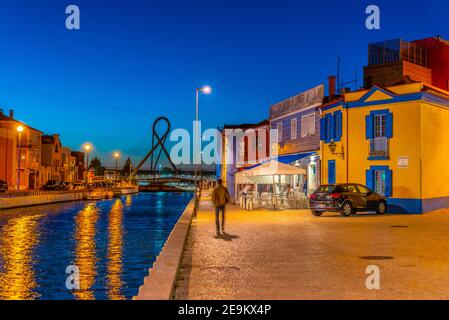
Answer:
(171, 178)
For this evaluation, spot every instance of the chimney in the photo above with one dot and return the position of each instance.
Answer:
(332, 82)
(11, 113)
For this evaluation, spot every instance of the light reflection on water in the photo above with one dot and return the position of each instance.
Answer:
(112, 242)
(85, 251)
(115, 251)
(17, 277)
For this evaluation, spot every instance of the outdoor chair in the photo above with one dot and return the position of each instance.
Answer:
(265, 199)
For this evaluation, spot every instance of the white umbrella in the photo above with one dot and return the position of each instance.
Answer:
(272, 168)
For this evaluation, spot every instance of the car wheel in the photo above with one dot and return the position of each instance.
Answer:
(381, 208)
(346, 209)
(317, 213)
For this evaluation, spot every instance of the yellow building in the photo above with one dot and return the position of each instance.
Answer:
(395, 140)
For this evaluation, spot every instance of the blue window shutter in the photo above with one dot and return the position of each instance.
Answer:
(329, 128)
(388, 183)
(389, 122)
(334, 127)
(369, 127)
(323, 129)
(338, 126)
(370, 179)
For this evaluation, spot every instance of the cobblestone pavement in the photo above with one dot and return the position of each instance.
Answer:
(293, 255)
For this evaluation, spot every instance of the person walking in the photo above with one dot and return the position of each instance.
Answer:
(220, 197)
(305, 186)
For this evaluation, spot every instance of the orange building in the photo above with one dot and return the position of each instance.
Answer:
(30, 152)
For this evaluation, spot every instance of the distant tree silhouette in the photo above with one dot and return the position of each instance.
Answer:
(98, 167)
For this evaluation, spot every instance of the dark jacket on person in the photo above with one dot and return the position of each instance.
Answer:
(220, 196)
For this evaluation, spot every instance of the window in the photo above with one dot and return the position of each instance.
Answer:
(379, 181)
(363, 189)
(308, 125)
(338, 126)
(379, 129)
(293, 128)
(380, 126)
(351, 189)
(328, 189)
(331, 127)
(279, 128)
(241, 155)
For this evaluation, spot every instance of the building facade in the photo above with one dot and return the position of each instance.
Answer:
(393, 140)
(27, 163)
(68, 165)
(51, 159)
(298, 134)
(392, 61)
(78, 157)
(438, 50)
(242, 146)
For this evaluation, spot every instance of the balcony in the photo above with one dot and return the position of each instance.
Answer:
(378, 149)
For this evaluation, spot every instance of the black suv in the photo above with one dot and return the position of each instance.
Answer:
(346, 199)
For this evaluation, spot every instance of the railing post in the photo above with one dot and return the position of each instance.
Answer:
(195, 203)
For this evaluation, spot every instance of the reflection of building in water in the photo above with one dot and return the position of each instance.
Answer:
(17, 240)
(129, 201)
(85, 251)
(115, 251)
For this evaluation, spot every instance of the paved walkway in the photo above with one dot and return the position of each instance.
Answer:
(293, 255)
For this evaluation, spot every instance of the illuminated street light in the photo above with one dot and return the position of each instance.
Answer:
(204, 90)
(20, 130)
(116, 156)
(87, 148)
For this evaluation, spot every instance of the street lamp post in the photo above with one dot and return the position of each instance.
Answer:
(87, 148)
(204, 90)
(116, 156)
(19, 131)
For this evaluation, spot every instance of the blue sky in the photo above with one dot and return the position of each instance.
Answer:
(135, 60)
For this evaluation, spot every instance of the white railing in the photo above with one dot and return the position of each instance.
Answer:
(378, 147)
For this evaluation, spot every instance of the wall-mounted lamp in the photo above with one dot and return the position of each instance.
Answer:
(333, 147)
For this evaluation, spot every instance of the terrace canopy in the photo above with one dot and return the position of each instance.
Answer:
(273, 168)
(264, 173)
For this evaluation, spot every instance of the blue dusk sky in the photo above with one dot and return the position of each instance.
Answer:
(135, 60)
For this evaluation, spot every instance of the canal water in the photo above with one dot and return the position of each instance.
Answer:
(112, 243)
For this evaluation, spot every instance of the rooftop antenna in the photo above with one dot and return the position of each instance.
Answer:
(338, 75)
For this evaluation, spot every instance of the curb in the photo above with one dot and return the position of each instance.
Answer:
(161, 281)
